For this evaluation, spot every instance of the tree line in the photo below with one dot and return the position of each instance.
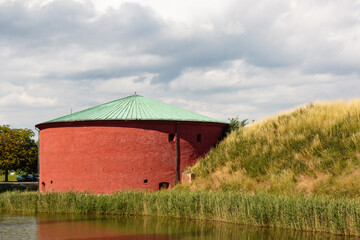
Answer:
(18, 151)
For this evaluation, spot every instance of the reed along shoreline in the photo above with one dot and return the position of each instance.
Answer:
(320, 214)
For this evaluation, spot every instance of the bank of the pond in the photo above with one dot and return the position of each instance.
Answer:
(339, 216)
(20, 186)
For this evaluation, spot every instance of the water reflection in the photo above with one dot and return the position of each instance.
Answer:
(17, 227)
(136, 228)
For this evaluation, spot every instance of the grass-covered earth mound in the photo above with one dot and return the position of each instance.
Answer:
(314, 149)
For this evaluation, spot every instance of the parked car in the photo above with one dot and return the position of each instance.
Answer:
(36, 178)
(24, 178)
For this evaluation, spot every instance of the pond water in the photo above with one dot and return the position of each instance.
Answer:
(15, 226)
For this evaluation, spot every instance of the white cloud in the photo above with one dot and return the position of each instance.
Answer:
(253, 92)
(24, 99)
(15, 96)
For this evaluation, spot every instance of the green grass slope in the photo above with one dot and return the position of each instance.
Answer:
(314, 149)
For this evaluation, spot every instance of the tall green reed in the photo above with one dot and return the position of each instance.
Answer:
(339, 216)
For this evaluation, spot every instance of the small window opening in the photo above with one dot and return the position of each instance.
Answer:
(145, 181)
(198, 138)
(171, 137)
(163, 185)
(51, 182)
(43, 186)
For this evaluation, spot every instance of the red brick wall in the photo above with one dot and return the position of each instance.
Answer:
(109, 156)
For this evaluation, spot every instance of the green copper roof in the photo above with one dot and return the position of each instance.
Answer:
(134, 108)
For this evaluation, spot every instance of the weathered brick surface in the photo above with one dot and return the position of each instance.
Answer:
(108, 156)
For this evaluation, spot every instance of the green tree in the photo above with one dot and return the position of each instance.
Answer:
(18, 151)
(235, 123)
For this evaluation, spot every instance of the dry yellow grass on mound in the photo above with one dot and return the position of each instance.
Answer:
(314, 149)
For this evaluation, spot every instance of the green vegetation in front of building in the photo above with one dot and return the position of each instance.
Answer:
(339, 216)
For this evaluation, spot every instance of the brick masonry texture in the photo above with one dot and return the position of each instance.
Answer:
(110, 156)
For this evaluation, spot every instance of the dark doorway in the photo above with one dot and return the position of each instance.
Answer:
(163, 185)
(171, 137)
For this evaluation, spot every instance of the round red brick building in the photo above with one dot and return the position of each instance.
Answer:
(129, 143)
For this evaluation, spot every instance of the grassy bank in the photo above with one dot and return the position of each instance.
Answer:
(314, 149)
(339, 216)
(11, 178)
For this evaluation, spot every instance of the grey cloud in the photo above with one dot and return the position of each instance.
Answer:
(274, 36)
(128, 30)
(51, 24)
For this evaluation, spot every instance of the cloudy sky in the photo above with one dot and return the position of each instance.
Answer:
(220, 58)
